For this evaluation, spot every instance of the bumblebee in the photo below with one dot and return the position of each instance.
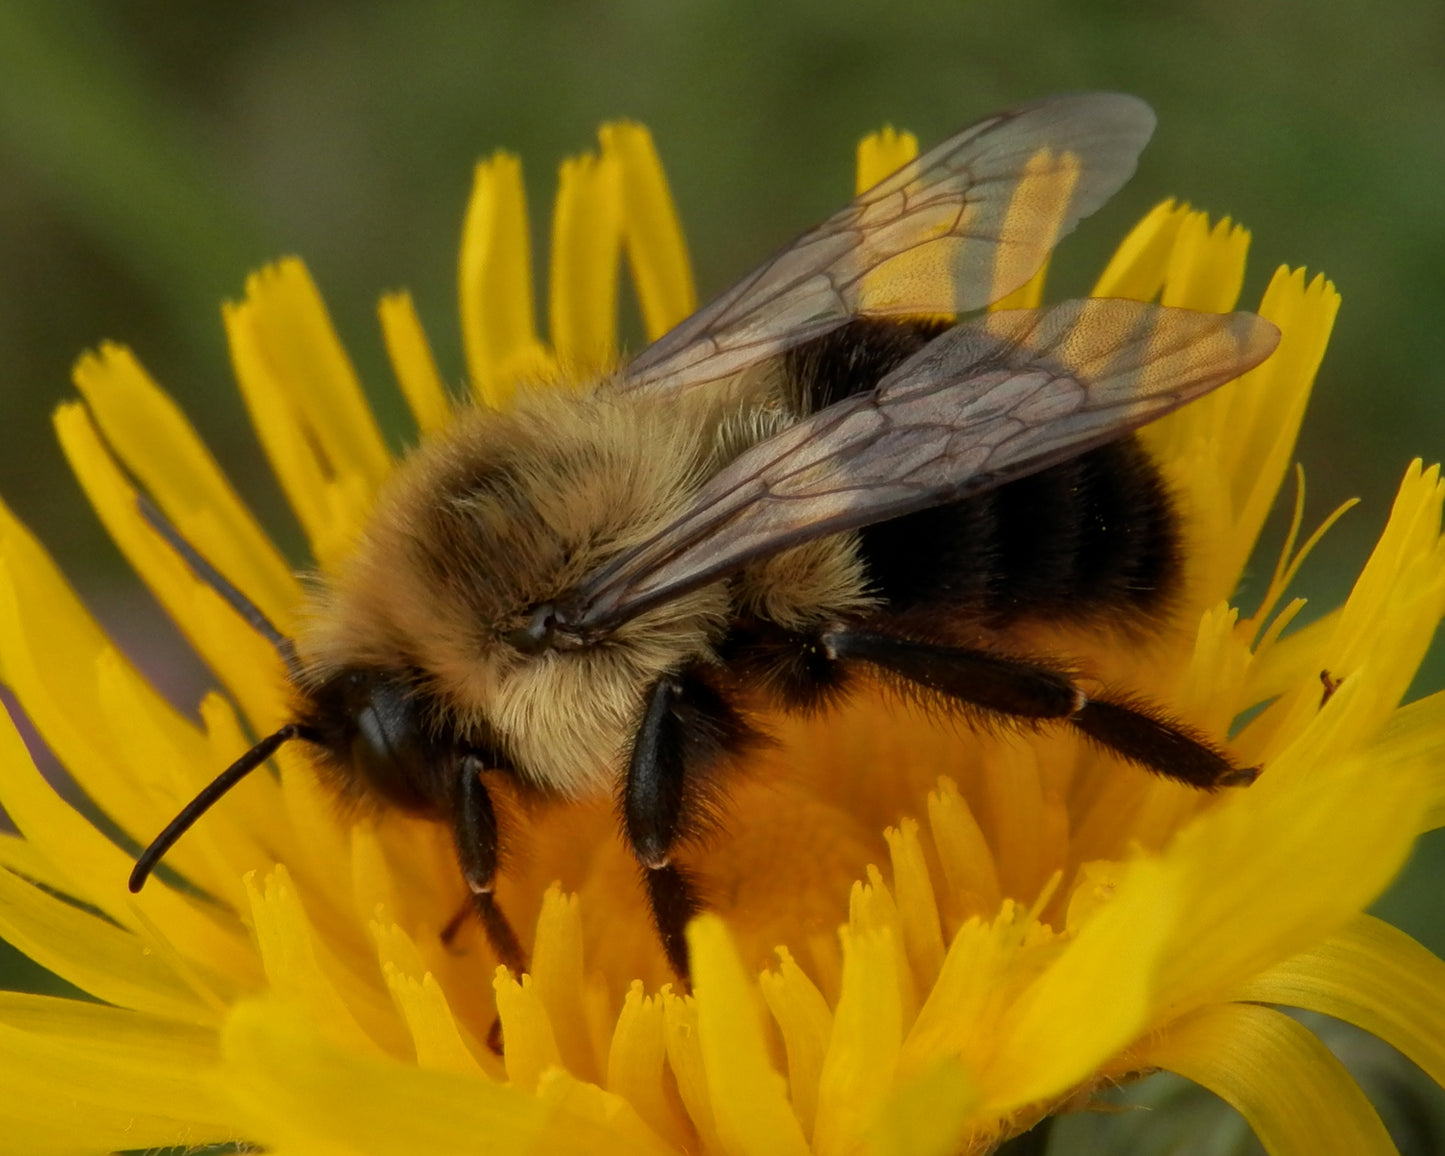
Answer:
(818, 480)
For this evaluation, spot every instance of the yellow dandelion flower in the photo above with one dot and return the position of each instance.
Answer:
(1029, 921)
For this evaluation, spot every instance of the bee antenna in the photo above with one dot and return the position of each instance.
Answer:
(218, 786)
(218, 582)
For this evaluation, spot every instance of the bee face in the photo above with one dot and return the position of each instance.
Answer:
(493, 518)
(592, 591)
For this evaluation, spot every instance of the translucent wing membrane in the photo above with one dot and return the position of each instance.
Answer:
(960, 227)
(986, 402)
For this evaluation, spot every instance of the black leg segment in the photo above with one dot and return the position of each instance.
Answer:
(474, 829)
(1167, 748)
(993, 682)
(687, 730)
(1026, 689)
(673, 897)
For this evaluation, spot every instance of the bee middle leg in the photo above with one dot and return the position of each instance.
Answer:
(1034, 691)
(474, 830)
(687, 730)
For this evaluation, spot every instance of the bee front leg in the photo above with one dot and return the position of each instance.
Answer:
(474, 829)
(687, 731)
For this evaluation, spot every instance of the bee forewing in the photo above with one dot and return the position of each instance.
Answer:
(984, 403)
(954, 230)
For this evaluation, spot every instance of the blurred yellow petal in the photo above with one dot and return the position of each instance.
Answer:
(246, 663)
(917, 906)
(656, 250)
(558, 976)
(1296, 1096)
(928, 1115)
(1140, 264)
(689, 1069)
(527, 1036)
(1268, 873)
(586, 244)
(306, 402)
(1373, 976)
(293, 1087)
(1415, 733)
(93, 954)
(298, 968)
(881, 154)
(499, 329)
(158, 445)
(412, 360)
(84, 1077)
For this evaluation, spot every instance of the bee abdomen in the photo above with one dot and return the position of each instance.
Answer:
(1093, 537)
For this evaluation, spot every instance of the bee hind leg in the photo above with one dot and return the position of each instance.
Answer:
(686, 733)
(1033, 691)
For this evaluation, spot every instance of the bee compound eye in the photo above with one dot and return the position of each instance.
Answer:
(536, 636)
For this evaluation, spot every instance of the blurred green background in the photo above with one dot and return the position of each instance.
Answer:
(152, 152)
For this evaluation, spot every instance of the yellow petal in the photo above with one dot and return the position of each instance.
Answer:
(1091, 1001)
(306, 403)
(94, 955)
(656, 250)
(917, 907)
(1295, 1095)
(928, 1115)
(636, 1068)
(83, 1077)
(499, 329)
(685, 1058)
(557, 973)
(881, 154)
(159, 446)
(864, 1048)
(1376, 642)
(437, 1037)
(871, 910)
(294, 1089)
(586, 243)
(1374, 976)
(1206, 264)
(97, 870)
(562, 1091)
(527, 1036)
(1417, 732)
(1227, 454)
(963, 852)
(1139, 265)
(1269, 872)
(806, 1021)
(749, 1099)
(245, 662)
(299, 967)
(412, 360)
